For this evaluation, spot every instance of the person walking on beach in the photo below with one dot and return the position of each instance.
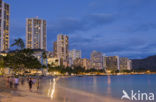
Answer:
(7, 82)
(16, 81)
(22, 81)
(38, 84)
(30, 84)
(34, 80)
(11, 82)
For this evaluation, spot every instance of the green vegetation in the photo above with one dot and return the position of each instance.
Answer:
(21, 59)
(44, 56)
(73, 70)
(125, 71)
(1, 65)
(115, 71)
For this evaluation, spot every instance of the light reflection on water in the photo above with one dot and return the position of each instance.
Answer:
(51, 89)
(109, 86)
(64, 94)
(97, 88)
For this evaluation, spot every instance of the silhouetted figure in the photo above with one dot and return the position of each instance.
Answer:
(11, 82)
(38, 84)
(30, 84)
(7, 82)
(22, 81)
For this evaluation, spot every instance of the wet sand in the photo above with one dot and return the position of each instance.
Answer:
(51, 92)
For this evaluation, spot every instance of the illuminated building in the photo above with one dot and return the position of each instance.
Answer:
(97, 60)
(125, 63)
(112, 63)
(36, 34)
(55, 49)
(4, 25)
(61, 49)
(73, 54)
(54, 62)
(86, 63)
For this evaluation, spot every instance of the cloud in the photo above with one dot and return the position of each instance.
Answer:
(144, 27)
(71, 25)
(132, 47)
(115, 27)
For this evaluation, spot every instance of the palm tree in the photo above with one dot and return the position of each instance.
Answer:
(19, 43)
(44, 57)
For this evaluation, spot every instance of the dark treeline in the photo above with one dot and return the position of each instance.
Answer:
(70, 70)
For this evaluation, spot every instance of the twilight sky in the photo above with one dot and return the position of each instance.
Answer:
(114, 27)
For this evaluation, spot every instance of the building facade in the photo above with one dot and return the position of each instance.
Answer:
(60, 48)
(112, 63)
(55, 49)
(86, 64)
(96, 60)
(82, 62)
(36, 33)
(73, 54)
(78, 62)
(125, 63)
(4, 25)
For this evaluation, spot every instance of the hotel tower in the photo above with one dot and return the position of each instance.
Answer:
(4, 25)
(62, 46)
(36, 33)
(61, 49)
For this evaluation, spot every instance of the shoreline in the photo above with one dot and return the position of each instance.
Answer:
(61, 94)
(104, 74)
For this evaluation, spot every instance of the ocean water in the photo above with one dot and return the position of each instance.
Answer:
(98, 88)
(111, 86)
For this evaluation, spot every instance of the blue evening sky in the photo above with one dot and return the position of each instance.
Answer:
(114, 27)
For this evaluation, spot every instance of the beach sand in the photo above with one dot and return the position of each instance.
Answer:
(50, 93)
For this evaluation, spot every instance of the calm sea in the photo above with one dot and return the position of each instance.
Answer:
(111, 85)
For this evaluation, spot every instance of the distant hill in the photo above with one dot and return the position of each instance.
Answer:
(148, 63)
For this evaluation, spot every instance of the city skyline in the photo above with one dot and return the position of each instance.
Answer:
(113, 28)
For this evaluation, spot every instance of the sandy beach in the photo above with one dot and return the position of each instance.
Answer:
(49, 92)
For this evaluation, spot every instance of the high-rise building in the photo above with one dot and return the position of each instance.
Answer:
(86, 63)
(82, 62)
(97, 60)
(73, 54)
(61, 49)
(62, 46)
(36, 33)
(125, 63)
(104, 62)
(4, 25)
(112, 63)
(55, 49)
(78, 62)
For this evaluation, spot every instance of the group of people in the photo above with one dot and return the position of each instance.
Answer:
(14, 82)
